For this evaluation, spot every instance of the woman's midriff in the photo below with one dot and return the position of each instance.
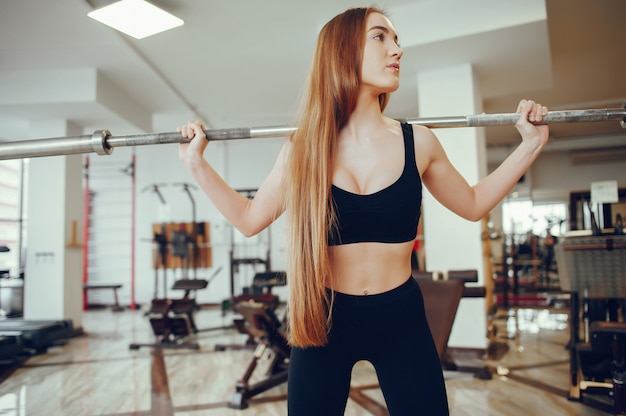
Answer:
(369, 268)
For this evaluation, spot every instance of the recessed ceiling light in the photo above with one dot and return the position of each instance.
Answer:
(136, 18)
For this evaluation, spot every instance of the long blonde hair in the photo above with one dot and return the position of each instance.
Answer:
(331, 98)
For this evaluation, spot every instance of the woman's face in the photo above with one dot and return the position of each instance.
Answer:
(380, 69)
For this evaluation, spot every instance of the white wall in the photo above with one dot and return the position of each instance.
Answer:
(52, 283)
(554, 171)
(451, 242)
(553, 176)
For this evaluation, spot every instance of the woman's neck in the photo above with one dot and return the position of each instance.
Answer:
(365, 119)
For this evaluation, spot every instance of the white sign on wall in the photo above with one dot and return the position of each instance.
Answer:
(604, 192)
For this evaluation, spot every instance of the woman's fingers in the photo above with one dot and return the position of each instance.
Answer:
(531, 111)
(191, 129)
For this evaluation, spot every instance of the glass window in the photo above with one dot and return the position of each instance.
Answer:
(11, 217)
(522, 216)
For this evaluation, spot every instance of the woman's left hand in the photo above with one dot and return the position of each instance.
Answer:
(531, 112)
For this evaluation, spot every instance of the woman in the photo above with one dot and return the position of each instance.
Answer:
(349, 180)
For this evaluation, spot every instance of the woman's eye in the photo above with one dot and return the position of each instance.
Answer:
(379, 36)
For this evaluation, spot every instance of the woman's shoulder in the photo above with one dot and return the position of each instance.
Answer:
(427, 147)
(423, 136)
(419, 131)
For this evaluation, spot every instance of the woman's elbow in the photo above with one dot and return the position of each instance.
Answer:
(473, 216)
(248, 231)
(252, 229)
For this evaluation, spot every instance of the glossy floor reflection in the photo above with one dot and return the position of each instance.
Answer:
(98, 374)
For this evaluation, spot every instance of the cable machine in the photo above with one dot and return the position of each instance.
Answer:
(256, 262)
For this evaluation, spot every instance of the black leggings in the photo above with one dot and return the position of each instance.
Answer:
(390, 331)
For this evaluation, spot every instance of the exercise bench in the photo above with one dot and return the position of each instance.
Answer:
(105, 286)
(187, 304)
(170, 326)
(442, 292)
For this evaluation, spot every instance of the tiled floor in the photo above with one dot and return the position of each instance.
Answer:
(98, 374)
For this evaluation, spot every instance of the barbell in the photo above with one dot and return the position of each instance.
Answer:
(103, 143)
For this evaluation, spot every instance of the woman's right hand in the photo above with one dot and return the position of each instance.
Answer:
(193, 151)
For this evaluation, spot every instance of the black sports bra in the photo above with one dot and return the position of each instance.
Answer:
(387, 216)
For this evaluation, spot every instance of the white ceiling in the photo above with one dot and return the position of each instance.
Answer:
(243, 63)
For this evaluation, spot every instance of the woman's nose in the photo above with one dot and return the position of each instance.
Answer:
(398, 51)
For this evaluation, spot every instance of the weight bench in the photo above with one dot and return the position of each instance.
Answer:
(103, 286)
(169, 325)
(442, 294)
(187, 304)
(262, 324)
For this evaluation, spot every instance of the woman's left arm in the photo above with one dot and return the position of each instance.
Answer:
(447, 185)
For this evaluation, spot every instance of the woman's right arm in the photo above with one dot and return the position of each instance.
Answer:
(249, 216)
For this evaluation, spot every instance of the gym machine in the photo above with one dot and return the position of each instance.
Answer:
(172, 320)
(592, 268)
(21, 338)
(184, 245)
(242, 259)
(260, 293)
(266, 334)
(169, 318)
(35, 336)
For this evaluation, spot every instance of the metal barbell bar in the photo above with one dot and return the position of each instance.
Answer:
(103, 143)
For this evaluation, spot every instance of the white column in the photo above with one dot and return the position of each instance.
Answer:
(53, 272)
(452, 243)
